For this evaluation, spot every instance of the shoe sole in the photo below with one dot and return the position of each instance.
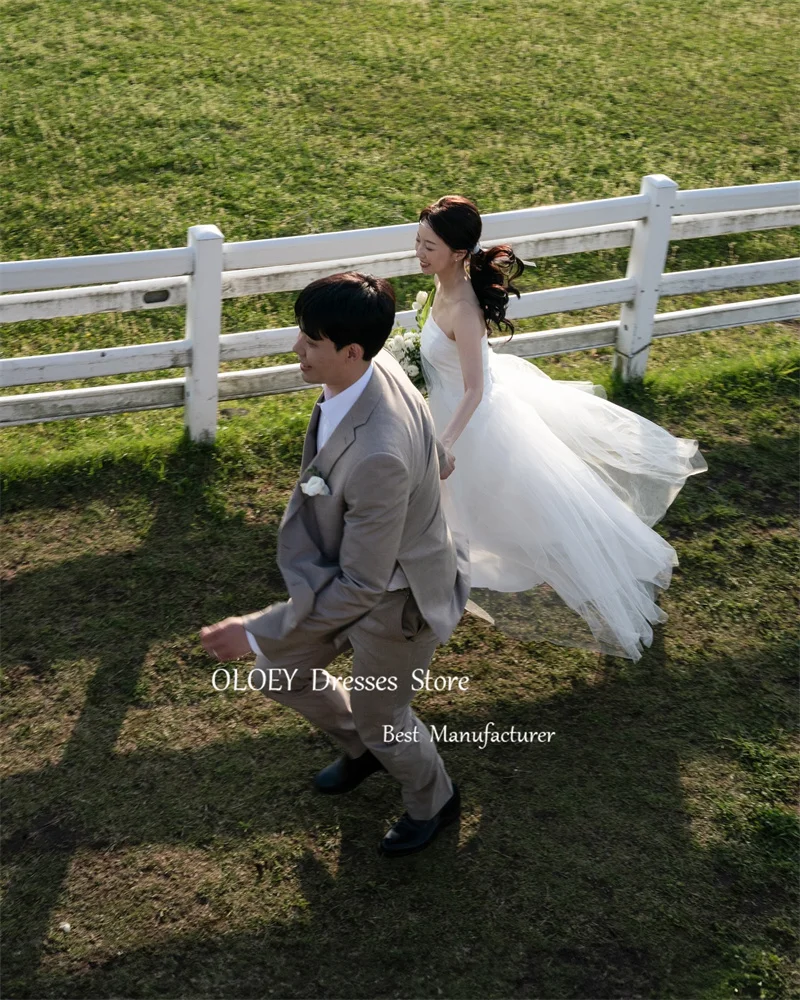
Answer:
(404, 852)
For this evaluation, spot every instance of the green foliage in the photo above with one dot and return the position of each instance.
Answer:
(127, 123)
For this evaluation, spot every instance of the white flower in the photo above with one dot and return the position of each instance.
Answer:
(409, 339)
(412, 371)
(420, 300)
(315, 486)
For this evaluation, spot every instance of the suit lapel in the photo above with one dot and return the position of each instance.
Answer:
(345, 433)
(320, 463)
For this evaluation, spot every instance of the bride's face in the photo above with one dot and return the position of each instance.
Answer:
(433, 254)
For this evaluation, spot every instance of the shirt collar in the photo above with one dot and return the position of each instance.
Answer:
(348, 396)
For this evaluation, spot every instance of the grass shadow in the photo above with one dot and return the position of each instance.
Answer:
(585, 870)
(584, 859)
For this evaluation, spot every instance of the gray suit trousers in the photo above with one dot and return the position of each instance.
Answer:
(393, 640)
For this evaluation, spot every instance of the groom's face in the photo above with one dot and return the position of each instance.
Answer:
(321, 363)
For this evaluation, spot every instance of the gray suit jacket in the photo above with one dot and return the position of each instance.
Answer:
(337, 553)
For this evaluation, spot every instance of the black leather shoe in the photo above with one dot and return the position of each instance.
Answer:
(346, 773)
(409, 835)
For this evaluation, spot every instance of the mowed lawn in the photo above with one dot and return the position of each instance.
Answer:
(650, 849)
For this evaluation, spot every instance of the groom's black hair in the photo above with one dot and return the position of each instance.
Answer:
(348, 308)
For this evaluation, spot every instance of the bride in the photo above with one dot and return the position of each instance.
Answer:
(555, 487)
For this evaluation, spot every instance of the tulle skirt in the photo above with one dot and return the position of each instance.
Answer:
(556, 490)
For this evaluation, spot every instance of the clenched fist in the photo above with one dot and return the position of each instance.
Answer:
(227, 640)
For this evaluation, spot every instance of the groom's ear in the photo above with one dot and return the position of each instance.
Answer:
(355, 352)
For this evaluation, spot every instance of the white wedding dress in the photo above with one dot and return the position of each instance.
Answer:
(557, 489)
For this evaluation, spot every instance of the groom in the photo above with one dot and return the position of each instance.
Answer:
(367, 558)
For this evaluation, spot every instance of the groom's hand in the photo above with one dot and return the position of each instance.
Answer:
(447, 466)
(446, 461)
(227, 640)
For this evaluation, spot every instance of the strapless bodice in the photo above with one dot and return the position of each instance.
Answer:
(441, 354)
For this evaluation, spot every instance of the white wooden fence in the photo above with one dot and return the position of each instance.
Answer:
(206, 271)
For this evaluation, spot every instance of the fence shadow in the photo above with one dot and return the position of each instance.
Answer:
(581, 858)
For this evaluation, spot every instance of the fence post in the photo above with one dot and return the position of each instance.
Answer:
(203, 324)
(645, 265)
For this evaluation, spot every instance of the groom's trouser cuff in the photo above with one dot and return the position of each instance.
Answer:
(381, 648)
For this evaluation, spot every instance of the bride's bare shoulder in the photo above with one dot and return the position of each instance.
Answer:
(466, 313)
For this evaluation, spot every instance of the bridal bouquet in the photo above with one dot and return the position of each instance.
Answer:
(404, 345)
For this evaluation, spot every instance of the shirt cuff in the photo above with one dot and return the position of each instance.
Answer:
(253, 644)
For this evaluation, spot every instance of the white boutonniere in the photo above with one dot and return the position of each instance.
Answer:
(315, 485)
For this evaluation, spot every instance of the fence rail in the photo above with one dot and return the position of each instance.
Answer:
(207, 271)
(161, 293)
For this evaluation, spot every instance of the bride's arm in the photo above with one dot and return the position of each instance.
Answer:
(468, 328)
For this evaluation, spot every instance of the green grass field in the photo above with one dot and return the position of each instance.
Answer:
(650, 850)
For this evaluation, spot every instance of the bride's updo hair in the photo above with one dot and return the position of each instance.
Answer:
(457, 221)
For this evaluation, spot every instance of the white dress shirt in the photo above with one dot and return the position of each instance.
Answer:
(332, 410)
